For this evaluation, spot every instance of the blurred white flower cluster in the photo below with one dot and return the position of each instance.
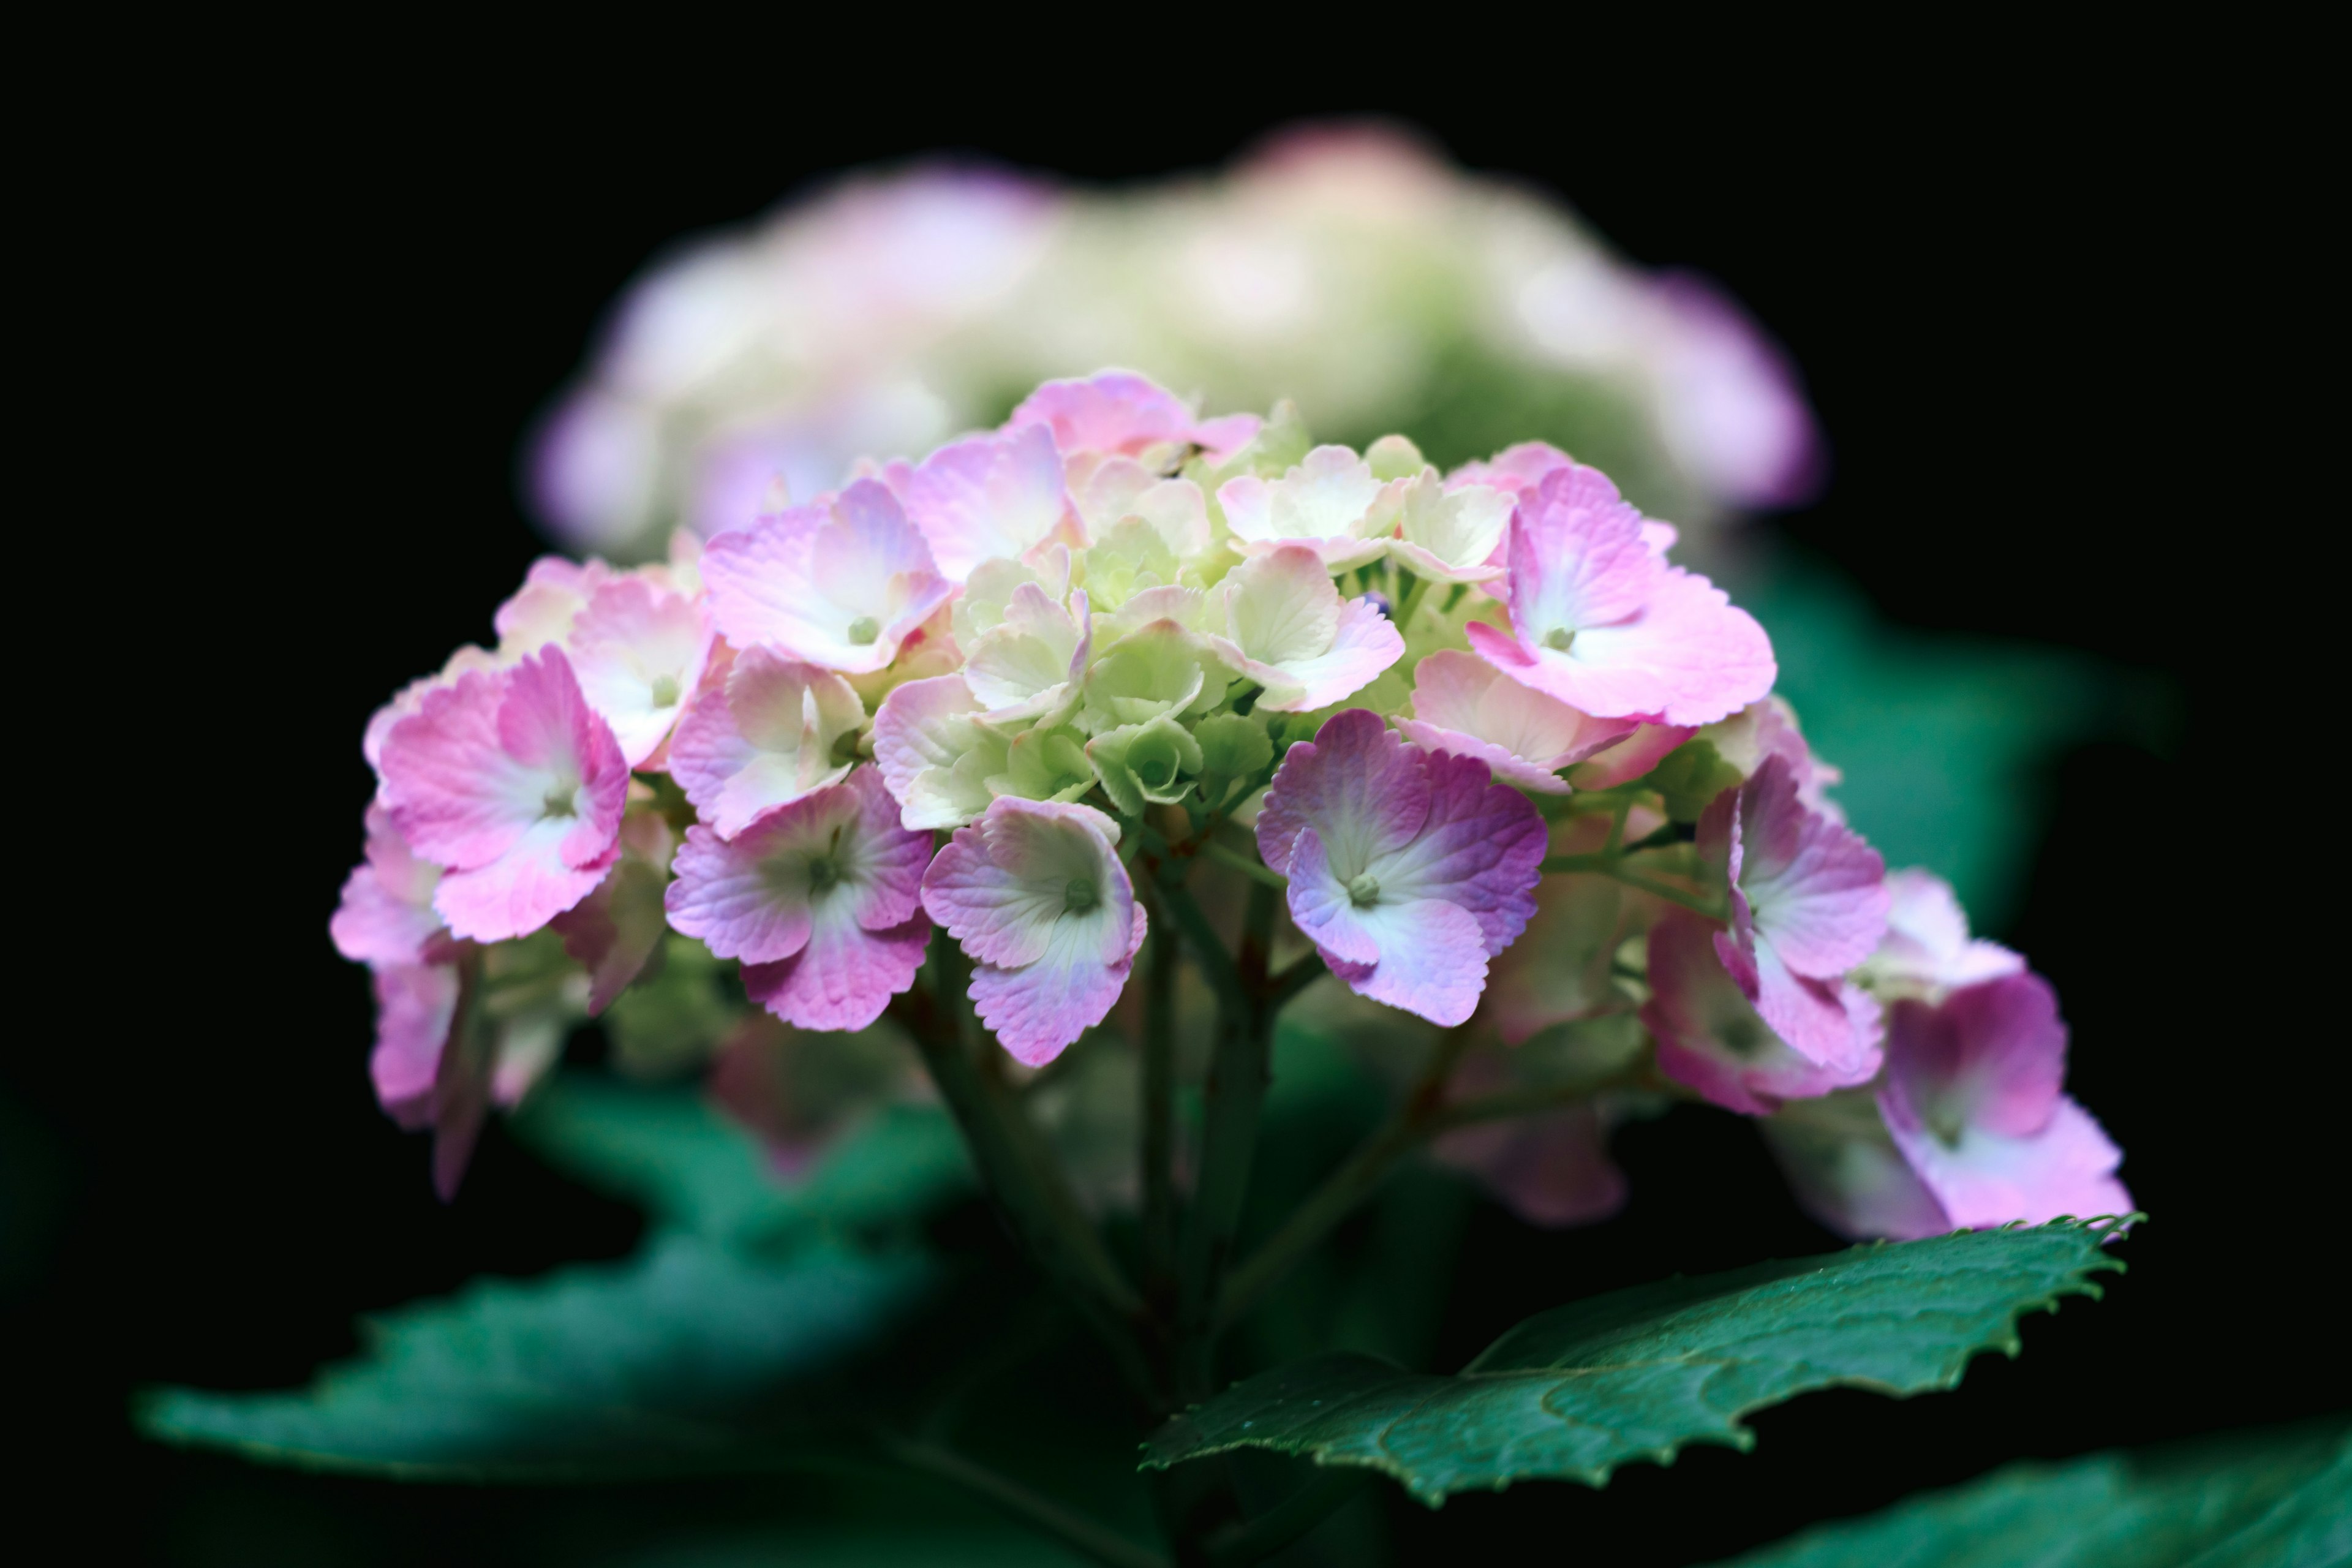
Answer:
(1347, 267)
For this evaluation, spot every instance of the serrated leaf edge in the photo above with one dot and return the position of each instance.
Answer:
(1739, 1436)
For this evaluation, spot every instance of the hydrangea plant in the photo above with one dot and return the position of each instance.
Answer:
(1117, 724)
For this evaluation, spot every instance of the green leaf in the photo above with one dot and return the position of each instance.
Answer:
(1635, 1374)
(686, 1359)
(672, 1150)
(2279, 1498)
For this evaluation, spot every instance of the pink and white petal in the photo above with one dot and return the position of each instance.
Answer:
(998, 916)
(1631, 758)
(1422, 561)
(1037, 1010)
(1465, 695)
(1508, 768)
(1360, 786)
(417, 1004)
(1433, 958)
(1577, 556)
(386, 915)
(1707, 656)
(1322, 907)
(1986, 1179)
(1711, 1039)
(844, 977)
(882, 862)
(1992, 1055)
(522, 890)
(1364, 643)
(923, 724)
(630, 640)
(1281, 607)
(725, 893)
(1847, 1173)
(1833, 1024)
(545, 723)
(1818, 890)
(992, 496)
(1481, 849)
(453, 791)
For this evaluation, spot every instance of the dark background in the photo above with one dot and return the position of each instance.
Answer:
(2042, 319)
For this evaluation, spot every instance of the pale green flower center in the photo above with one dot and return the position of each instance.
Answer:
(1559, 639)
(1364, 890)
(824, 874)
(864, 630)
(1080, 896)
(665, 690)
(561, 800)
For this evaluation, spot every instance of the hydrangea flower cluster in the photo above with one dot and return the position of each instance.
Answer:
(1515, 772)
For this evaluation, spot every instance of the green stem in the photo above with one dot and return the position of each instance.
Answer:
(1287, 985)
(1245, 865)
(1409, 601)
(1073, 1530)
(1014, 1166)
(1158, 1150)
(1236, 1092)
(1614, 867)
(1344, 1188)
(1288, 1519)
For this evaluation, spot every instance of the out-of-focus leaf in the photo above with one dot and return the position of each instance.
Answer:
(687, 1358)
(1945, 742)
(672, 1150)
(2280, 1499)
(1635, 1374)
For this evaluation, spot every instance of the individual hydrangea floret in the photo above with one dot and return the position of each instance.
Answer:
(553, 592)
(514, 784)
(1974, 1099)
(821, 900)
(935, 755)
(1808, 904)
(639, 651)
(1465, 706)
(1028, 666)
(1408, 869)
(1928, 948)
(769, 732)
(386, 914)
(1330, 503)
(1121, 412)
(839, 585)
(988, 498)
(1286, 628)
(1602, 622)
(1711, 1037)
(1451, 533)
(1036, 894)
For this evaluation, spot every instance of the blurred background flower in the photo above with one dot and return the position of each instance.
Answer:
(1349, 266)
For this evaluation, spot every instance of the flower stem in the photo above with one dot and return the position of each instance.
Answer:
(1409, 601)
(1014, 1166)
(1614, 867)
(1244, 864)
(1081, 1534)
(1344, 1188)
(1236, 1092)
(1157, 1154)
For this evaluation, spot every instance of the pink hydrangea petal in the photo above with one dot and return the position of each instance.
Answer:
(453, 791)
(753, 897)
(1711, 1038)
(1037, 1010)
(1577, 556)
(1432, 960)
(1000, 887)
(1928, 939)
(1992, 1055)
(800, 580)
(417, 1004)
(1986, 1179)
(1364, 790)
(522, 890)
(763, 738)
(1120, 411)
(1818, 891)
(1688, 657)
(1847, 1173)
(991, 497)
(843, 977)
(1481, 851)
(631, 637)
(917, 731)
(1322, 907)
(1464, 705)
(1631, 758)
(386, 914)
(614, 931)
(1833, 1023)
